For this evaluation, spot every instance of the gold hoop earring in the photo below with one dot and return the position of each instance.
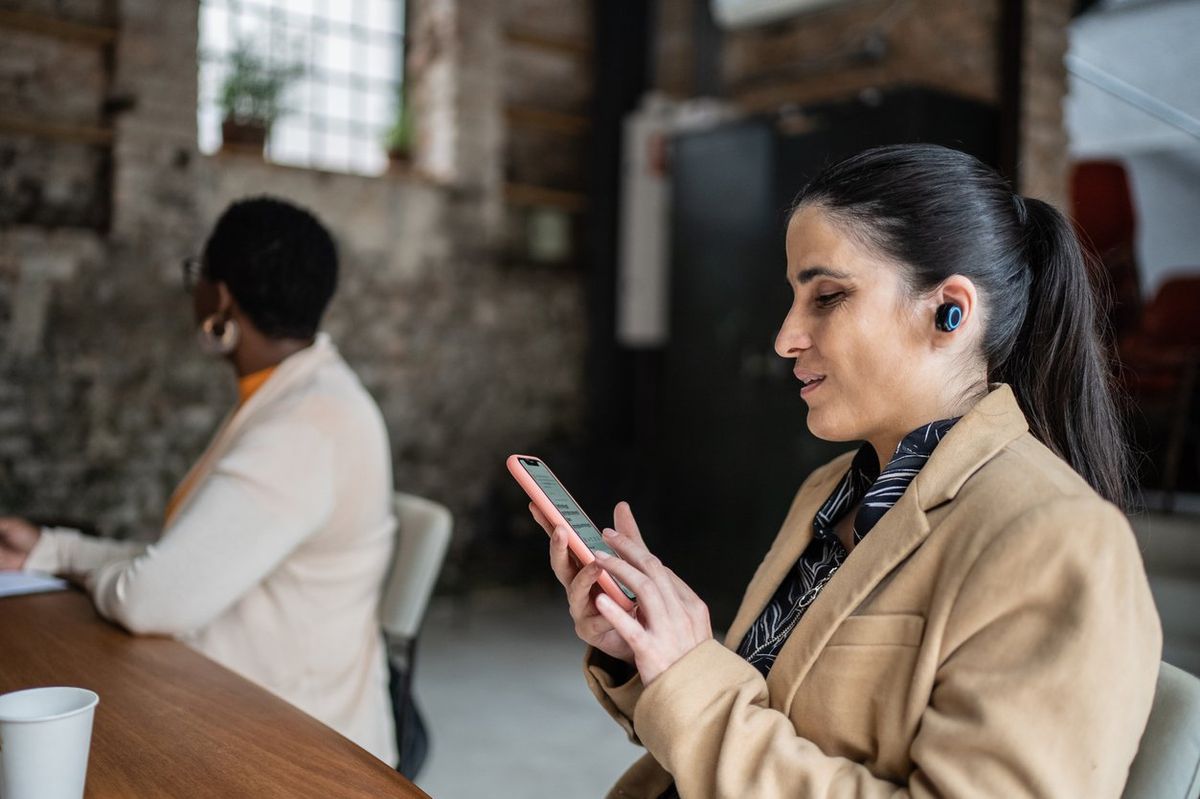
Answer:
(218, 335)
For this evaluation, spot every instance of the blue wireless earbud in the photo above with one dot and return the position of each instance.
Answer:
(949, 317)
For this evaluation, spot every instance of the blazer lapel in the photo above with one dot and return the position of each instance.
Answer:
(900, 531)
(794, 536)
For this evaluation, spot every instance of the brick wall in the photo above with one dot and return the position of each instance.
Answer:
(104, 398)
(840, 50)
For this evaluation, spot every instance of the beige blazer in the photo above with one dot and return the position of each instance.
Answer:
(993, 635)
(274, 563)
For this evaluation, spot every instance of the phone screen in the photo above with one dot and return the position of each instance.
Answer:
(571, 511)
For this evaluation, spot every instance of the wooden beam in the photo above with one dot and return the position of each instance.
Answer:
(82, 134)
(542, 197)
(520, 116)
(57, 28)
(575, 48)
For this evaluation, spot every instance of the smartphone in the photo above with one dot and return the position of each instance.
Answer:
(560, 508)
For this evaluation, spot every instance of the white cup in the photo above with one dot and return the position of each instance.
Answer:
(45, 734)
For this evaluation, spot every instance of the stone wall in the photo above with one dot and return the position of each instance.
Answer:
(105, 400)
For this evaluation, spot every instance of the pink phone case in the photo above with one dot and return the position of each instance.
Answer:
(574, 542)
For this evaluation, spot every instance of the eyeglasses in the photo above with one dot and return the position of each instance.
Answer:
(193, 271)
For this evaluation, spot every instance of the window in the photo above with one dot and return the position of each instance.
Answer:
(344, 64)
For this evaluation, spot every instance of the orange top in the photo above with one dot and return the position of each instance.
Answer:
(251, 383)
(247, 387)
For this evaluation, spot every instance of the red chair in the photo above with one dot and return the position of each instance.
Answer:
(1161, 364)
(1102, 207)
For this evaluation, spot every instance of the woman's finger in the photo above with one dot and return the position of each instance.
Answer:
(633, 551)
(579, 592)
(649, 596)
(560, 557)
(593, 627)
(673, 590)
(541, 519)
(633, 633)
(682, 590)
(624, 522)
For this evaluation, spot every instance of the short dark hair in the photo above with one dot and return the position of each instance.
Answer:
(940, 212)
(279, 262)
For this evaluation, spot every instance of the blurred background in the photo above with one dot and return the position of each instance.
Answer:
(561, 229)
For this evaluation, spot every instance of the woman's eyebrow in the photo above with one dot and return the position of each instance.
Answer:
(812, 272)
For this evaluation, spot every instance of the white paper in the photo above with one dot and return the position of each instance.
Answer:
(17, 583)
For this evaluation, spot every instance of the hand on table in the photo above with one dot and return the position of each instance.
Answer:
(17, 539)
(669, 621)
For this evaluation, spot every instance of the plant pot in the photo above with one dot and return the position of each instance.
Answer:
(399, 161)
(243, 136)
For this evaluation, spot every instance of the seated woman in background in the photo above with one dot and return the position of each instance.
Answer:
(274, 548)
(959, 607)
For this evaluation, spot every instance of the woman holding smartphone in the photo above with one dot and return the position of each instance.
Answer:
(958, 608)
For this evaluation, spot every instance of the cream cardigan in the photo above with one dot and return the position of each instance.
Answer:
(274, 563)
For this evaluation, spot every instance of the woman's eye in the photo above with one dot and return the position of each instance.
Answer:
(830, 300)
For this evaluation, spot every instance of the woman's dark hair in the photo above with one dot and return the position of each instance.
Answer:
(940, 212)
(279, 262)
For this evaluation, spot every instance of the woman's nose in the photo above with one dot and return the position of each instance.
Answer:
(792, 339)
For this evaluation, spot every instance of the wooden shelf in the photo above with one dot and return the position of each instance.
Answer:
(520, 116)
(82, 134)
(575, 48)
(542, 197)
(57, 28)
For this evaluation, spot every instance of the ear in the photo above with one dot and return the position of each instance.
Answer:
(225, 303)
(957, 290)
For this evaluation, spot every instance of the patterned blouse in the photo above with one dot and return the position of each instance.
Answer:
(821, 559)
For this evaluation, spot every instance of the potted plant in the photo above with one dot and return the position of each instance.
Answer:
(398, 141)
(251, 98)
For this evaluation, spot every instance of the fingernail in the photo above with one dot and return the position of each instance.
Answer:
(603, 598)
(608, 532)
(602, 555)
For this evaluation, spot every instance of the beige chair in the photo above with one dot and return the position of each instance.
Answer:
(423, 535)
(1167, 765)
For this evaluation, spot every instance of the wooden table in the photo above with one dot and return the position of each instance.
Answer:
(171, 722)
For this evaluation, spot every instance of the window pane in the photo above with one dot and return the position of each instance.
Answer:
(214, 33)
(379, 109)
(368, 156)
(340, 15)
(301, 11)
(383, 15)
(290, 143)
(209, 127)
(333, 54)
(380, 62)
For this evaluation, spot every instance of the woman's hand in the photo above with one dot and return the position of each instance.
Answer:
(17, 539)
(671, 620)
(581, 587)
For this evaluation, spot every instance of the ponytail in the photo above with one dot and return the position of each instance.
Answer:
(1058, 367)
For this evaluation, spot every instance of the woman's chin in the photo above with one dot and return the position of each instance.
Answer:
(829, 429)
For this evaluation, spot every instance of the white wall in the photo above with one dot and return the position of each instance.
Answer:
(1166, 189)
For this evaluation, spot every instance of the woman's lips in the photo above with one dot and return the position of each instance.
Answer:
(809, 380)
(810, 386)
